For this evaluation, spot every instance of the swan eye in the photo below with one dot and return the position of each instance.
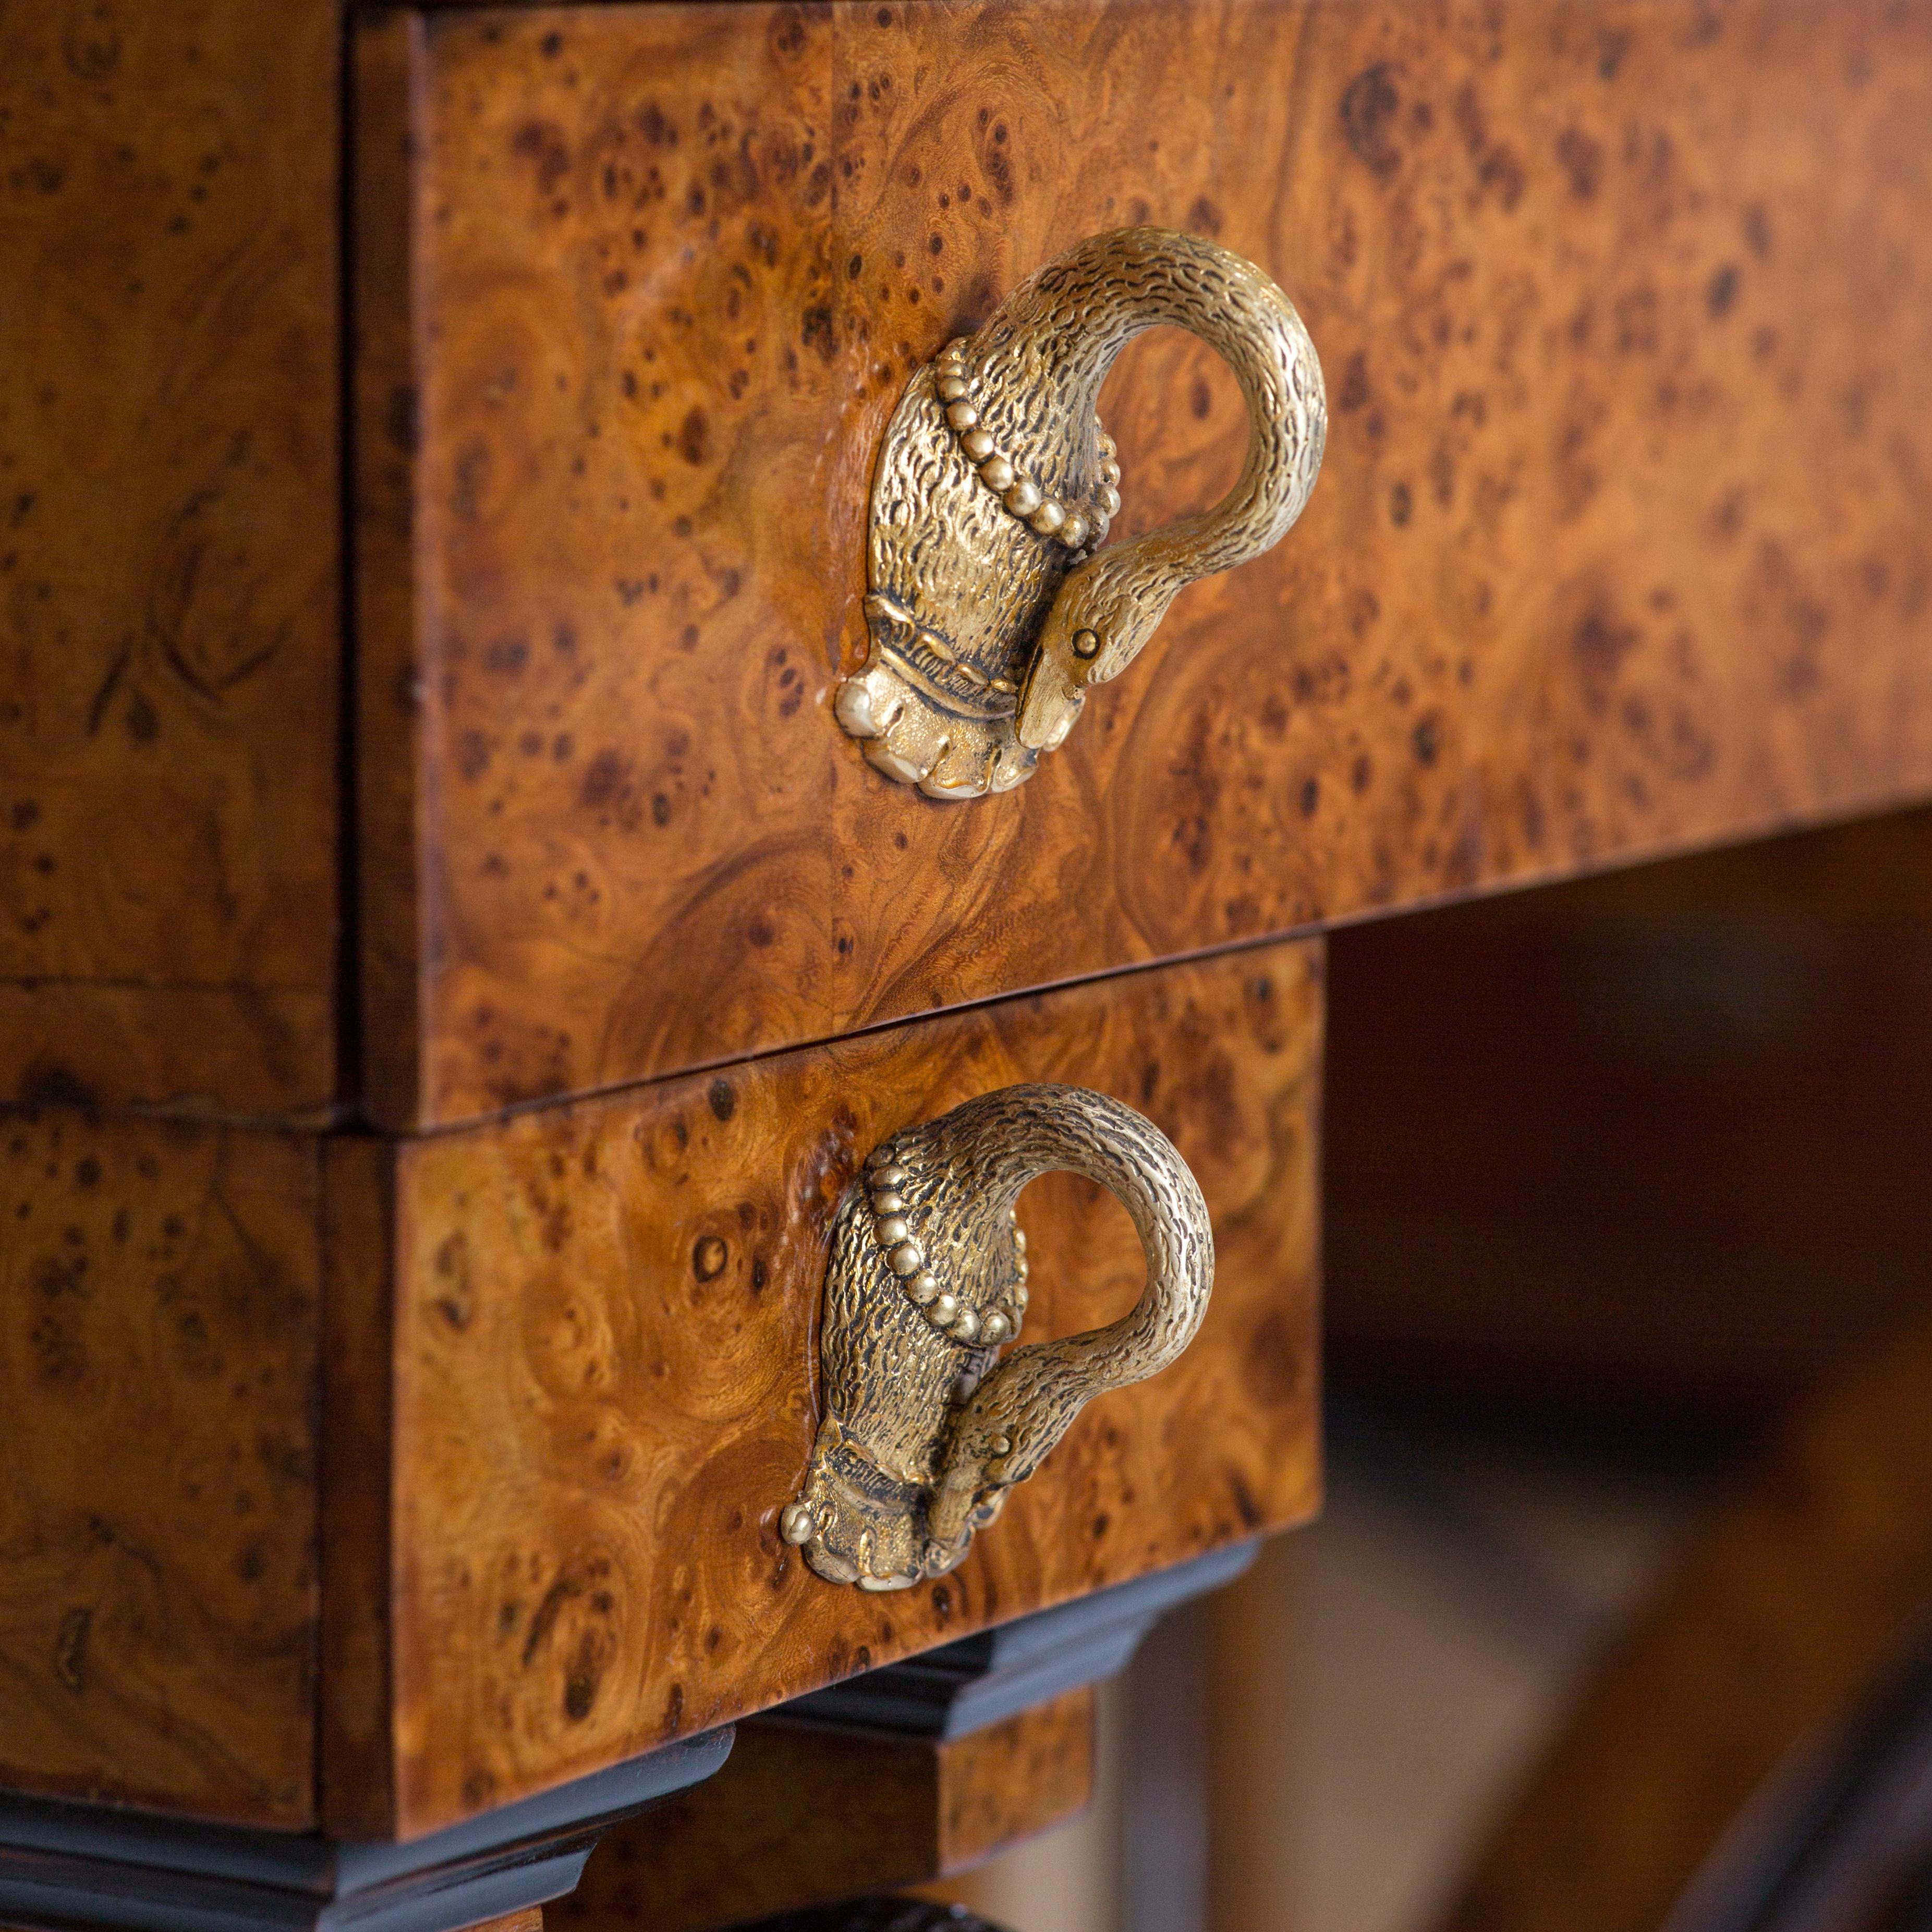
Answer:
(1086, 643)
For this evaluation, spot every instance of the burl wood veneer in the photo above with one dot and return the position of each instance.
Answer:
(804, 1813)
(160, 1295)
(1620, 544)
(601, 1325)
(169, 571)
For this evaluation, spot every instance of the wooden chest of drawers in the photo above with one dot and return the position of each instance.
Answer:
(455, 961)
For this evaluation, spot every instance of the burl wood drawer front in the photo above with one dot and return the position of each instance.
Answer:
(594, 1329)
(1619, 542)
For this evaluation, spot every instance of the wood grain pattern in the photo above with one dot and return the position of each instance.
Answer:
(1012, 1780)
(386, 65)
(1619, 545)
(605, 1320)
(357, 1797)
(158, 1298)
(169, 606)
(1741, 1204)
(803, 1814)
(1786, 1616)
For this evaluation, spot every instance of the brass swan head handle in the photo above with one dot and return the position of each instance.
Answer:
(926, 1425)
(992, 607)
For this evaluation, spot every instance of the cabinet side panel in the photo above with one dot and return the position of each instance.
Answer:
(169, 607)
(159, 1300)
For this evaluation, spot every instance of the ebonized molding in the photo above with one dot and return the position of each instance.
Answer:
(984, 1679)
(67, 1868)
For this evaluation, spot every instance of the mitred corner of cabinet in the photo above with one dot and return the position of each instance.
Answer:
(357, 1733)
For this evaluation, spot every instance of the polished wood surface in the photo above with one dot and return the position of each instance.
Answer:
(356, 1761)
(1620, 548)
(803, 1814)
(384, 59)
(158, 1295)
(1648, 1146)
(1619, 544)
(169, 572)
(604, 1335)
(1787, 1616)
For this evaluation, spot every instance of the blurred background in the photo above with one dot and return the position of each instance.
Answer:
(1628, 1206)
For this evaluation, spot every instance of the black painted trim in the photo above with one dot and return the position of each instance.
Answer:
(67, 1868)
(982, 1680)
(70, 1868)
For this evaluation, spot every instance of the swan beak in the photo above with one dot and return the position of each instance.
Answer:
(1051, 700)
